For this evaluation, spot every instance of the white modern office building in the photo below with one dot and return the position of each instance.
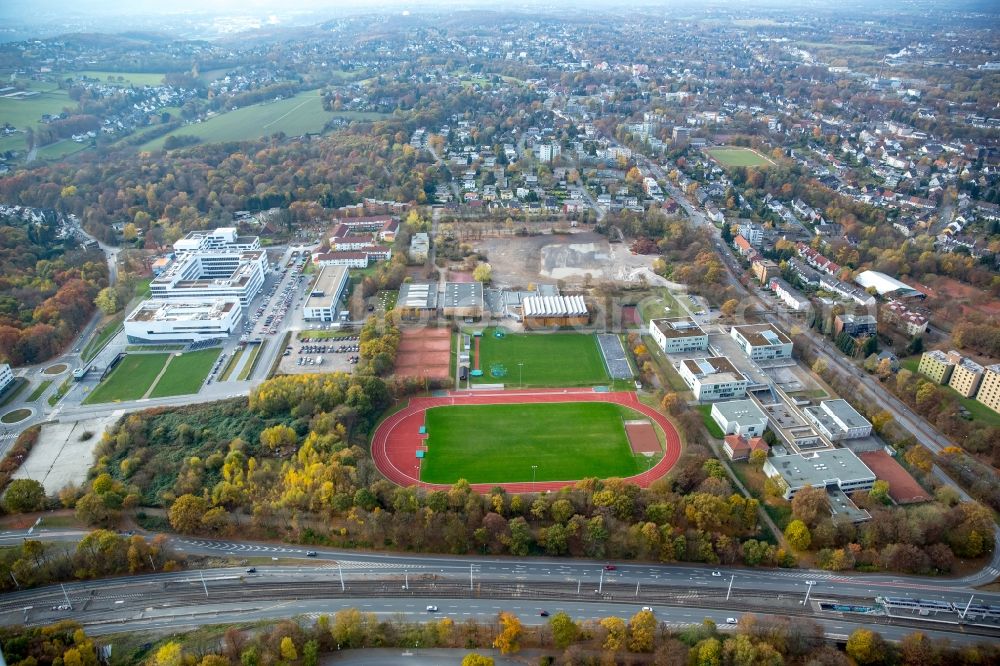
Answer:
(712, 379)
(678, 334)
(762, 341)
(208, 275)
(162, 322)
(740, 417)
(837, 420)
(323, 302)
(223, 239)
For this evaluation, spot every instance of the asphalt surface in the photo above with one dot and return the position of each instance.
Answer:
(463, 587)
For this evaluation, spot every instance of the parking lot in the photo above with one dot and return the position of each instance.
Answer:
(267, 319)
(316, 351)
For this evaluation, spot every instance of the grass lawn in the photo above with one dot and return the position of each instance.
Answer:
(294, 116)
(566, 441)
(251, 362)
(61, 149)
(550, 359)
(61, 391)
(666, 371)
(706, 417)
(186, 373)
(98, 340)
(231, 364)
(22, 113)
(387, 300)
(732, 156)
(39, 390)
(661, 303)
(979, 411)
(321, 334)
(130, 380)
(16, 415)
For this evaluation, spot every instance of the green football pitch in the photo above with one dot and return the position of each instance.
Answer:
(540, 359)
(501, 443)
(734, 156)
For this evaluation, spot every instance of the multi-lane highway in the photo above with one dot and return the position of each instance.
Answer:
(287, 581)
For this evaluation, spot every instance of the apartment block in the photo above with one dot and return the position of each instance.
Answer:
(967, 375)
(936, 366)
(989, 388)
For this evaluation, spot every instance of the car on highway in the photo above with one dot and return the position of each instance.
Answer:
(648, 608)
(716, 573)
(310, 553)
(609, 567)
(252, 570)
(432, 609)
(544, 613)
(731, 620)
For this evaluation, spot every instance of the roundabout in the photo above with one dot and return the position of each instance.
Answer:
(16, 416)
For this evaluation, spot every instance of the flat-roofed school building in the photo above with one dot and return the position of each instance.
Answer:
(762, 341)
(838, 468)
(675, 335)
(712, 379)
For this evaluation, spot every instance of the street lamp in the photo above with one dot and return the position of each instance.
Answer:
(520, 374)
(810, 583)
(533, 468)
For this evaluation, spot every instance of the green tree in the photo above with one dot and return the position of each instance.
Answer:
(483, 273)
(278, 438)
(615, 640)
(798, 535)
(508, 641)
(708, 652)
(107, 301)
(865, 647)
(288, 651)
(642, 631)
(169, 655)
(310, 653)
(564, 630)
(186, 512)
(520, 536)
(880, 491)
(24, 495)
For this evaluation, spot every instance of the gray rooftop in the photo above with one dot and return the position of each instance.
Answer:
(847, 414)
(329, 284)
(743, 411)
(816, 469)
(421, 296)
(463, 294)
(678, 327)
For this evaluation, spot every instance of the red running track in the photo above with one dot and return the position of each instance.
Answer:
(397, 438)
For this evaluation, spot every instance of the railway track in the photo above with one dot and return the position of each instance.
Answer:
(100, 602)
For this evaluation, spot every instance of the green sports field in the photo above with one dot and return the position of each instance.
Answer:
(500, 443)
(130, 380)
(548, 359)
(137, 372)
(186, 373)
(738, 157)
